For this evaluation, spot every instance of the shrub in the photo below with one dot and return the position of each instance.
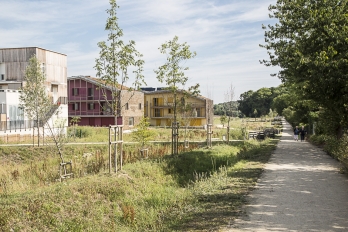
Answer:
(83, 132)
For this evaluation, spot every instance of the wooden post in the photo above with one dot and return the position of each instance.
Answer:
(121, 148)
(118, 136)
(209, 135)
(110, 149)
(115, 147)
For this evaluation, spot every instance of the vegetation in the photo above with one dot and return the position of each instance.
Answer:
(34, 98)
(158, 194)
(309, 43)
(115, 59)
(172, 73)
(219, 109)
(143, 134)
(258, 103)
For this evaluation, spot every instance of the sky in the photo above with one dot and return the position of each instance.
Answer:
(225, 34)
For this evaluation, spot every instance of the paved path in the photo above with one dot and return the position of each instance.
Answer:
(300, 190)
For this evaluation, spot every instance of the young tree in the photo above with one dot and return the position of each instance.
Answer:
(255, 113)
(172, 73)
(223, 120)
(229, 96)
(187, 113)
(143, 134)
(34, 98)
(74, 122)
(115, 60)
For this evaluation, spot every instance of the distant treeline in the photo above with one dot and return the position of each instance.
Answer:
(252, 103)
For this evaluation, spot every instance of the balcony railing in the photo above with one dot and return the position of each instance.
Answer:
(171, 105)
(89, 113)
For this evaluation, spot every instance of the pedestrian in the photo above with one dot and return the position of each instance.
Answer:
(296, 132)
(303, 132)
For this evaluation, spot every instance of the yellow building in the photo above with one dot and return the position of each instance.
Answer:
(159, 108)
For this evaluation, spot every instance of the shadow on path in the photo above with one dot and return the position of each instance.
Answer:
(301, 189)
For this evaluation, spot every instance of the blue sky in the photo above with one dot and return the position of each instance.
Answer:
(225, 34)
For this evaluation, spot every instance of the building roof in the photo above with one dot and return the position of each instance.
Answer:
(33, 47)
(164, 90)
(97, 81)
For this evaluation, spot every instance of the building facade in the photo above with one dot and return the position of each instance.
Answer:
(88, 100)
(13, 63)
(159, 108)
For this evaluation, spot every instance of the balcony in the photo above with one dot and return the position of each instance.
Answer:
(171, 105)
(90, 113)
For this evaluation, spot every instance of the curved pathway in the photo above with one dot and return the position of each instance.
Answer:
(301, 189)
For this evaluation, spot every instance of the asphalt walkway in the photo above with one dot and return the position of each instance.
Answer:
(301, 189)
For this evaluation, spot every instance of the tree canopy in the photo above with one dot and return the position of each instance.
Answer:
(115, 60)
(34, 97)
(310, 44)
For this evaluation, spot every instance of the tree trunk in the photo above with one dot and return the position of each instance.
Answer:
(38, 133)
(339, 132)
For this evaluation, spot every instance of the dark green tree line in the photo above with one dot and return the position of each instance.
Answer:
(309, 42)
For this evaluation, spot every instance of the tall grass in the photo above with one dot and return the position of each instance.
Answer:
(161, 193)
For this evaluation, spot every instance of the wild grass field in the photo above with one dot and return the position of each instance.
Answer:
(201, 189)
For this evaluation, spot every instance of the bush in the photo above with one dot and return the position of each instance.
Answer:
(237, 134)
(82, 132)
(334, 147)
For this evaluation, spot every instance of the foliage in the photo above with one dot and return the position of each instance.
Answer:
(148, 195)
(172, 73)
(337, 148)
(219, 109)
(223, 120)
(34, 98)
(82, 132)
(143, 134)
(309, 43)
(260, 100)
(115, 59)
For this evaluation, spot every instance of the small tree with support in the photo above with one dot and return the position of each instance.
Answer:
(209, 135)
(117, 140)
(143, 134)
(229, 109)
(175, 138)
(172, 73)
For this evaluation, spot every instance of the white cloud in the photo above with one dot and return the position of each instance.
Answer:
(225, 35)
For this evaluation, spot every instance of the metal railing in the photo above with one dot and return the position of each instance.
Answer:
(14, 125)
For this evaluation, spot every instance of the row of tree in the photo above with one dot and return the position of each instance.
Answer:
(251, 103)
(309, 43)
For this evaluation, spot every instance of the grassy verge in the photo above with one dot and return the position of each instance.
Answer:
(199, 190)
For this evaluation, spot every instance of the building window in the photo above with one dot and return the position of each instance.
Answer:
(131, 121)
(91, 106)
(169, 111)
(199, 114)
(2, 77)
(90, 92)
(75, 106)
(155, 101)
(157, 112)
(75, 91)
(43, 67)
(139, 106)
(126, 106)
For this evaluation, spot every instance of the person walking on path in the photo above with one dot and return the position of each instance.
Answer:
(300, 190)
(296, 132)
(303, 132)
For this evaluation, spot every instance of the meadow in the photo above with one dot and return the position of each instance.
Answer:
(200, 189)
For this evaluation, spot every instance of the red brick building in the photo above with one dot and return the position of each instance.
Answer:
(87, 99)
